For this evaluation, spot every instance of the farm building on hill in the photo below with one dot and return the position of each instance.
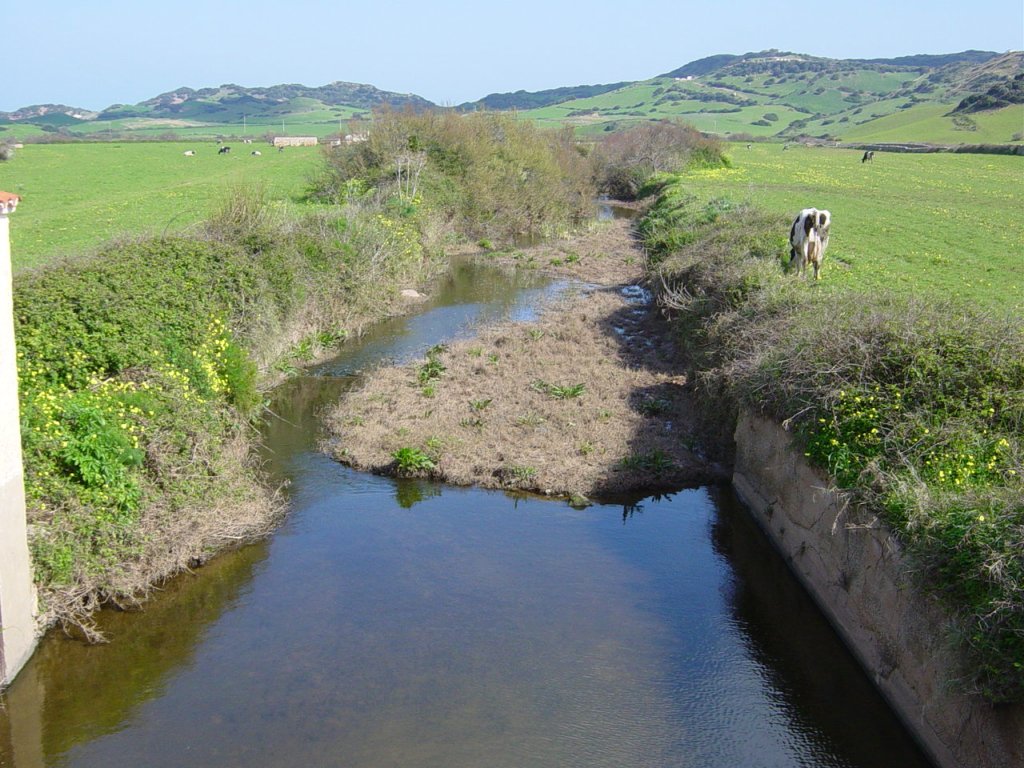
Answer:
(295, 141)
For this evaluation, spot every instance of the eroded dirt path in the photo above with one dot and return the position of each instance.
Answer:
(589, 400)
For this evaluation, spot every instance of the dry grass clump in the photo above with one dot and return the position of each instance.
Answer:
(583, 402)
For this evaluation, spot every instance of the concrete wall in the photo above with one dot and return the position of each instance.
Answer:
(857, 573)
(17, 598)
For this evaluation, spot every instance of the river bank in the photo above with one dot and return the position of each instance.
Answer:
(587, 400)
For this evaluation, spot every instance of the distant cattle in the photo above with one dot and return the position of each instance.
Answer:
(247, 141)
(869, 156)
(808, 239)
(190, 153)
(223, 150)
(255, 153)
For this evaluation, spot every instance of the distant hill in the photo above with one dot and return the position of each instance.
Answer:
(784, 95)
(967, 97)
(535, 99)
(258, 101)
(226, 110)
(933, 61)
(44, 112)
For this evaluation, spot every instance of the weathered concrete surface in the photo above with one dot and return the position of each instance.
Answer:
(17, 597)
(857, 573)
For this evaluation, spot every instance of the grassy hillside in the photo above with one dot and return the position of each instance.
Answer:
(946, 225)
(76, 196)
(785, 95)
(933, 123)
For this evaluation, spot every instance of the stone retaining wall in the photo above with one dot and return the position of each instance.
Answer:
(857, 573)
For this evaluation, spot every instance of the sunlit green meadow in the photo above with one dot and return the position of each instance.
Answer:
(948, 224)
(78, 196)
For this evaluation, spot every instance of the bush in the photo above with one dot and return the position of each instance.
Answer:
(623, 162)
(486, 174)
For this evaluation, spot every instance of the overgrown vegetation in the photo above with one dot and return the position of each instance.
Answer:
(915, 406)
(485, 175)
(139, 370)
(625, 161)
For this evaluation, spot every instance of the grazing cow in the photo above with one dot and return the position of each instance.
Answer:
(808, 239)
(255, 153)
(223, 150)
(869, 156)
(190, 153)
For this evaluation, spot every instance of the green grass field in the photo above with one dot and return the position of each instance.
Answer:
(77, 196)
(929, 122)
(948, 224)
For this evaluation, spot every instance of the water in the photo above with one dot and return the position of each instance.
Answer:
(608, 210)
(402, 623)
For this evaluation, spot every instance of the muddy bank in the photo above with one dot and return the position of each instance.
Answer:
(586, 401)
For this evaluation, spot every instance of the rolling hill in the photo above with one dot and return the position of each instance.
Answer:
(958, 98)
(785, 95)
(229, 109)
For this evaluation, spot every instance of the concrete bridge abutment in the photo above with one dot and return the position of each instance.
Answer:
(17, 594)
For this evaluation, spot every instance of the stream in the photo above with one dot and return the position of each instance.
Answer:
(403, 623)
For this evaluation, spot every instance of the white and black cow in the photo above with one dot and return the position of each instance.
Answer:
(808, 239)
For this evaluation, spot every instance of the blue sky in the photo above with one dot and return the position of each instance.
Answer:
(94, 54)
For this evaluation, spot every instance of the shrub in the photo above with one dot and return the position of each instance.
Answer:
(624, 161)
(489, 175)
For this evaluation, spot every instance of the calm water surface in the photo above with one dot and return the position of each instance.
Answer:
(401, 623)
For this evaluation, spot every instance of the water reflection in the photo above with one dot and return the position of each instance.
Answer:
(608, 210)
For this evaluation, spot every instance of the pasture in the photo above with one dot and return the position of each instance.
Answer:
(77, 196)
(945, 224)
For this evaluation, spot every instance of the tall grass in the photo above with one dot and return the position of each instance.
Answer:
(915, 406)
